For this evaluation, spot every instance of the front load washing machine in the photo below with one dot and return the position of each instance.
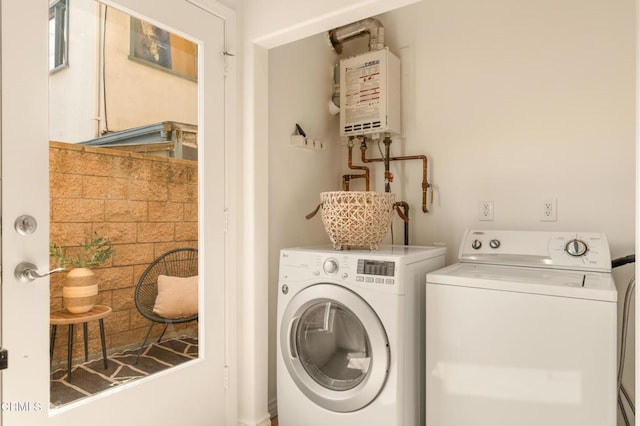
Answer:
(350, 335)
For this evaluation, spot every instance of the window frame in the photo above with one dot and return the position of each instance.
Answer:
(59, 14)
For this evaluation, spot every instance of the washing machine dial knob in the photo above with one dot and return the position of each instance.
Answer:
(330, 266)
(476, 244)
(576, 247)
(494, 244)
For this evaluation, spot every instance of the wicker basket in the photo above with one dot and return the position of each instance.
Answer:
(357, 218)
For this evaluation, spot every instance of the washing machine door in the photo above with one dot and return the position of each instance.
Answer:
(335, 347)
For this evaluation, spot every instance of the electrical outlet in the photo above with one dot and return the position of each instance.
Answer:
(485, 210)
(549, 210)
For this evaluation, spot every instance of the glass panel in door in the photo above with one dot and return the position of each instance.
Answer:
(333, 346)
(124, 192)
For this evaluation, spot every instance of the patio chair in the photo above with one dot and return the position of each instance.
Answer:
(175, 265)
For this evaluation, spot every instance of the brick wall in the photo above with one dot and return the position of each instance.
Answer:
(144, 204)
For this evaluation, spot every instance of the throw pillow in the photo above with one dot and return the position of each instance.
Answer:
(177, 297)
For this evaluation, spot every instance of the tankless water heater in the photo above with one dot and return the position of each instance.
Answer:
(370, 94)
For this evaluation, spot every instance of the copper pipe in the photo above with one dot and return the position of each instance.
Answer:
(425, 183)
(347, 178)
(387, 171)
(345, 182)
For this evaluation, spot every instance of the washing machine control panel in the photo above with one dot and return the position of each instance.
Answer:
(359, 270)
(348, 268)
(560, 250)
(390, 270)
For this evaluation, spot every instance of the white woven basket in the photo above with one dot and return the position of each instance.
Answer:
(357, 218)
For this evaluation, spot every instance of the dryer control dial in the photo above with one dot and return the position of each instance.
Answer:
(576, 247)
(476, 244)
(494, 244)
(330, 266)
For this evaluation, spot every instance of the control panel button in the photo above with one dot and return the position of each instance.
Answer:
(476, 244)
(494, 244)
(330, 266)
(359, 279)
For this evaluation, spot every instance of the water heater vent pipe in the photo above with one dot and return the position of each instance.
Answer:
(370, 26)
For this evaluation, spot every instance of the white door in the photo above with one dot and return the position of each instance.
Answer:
(192, 393)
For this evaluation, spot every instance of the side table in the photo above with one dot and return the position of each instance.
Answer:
(64, 317)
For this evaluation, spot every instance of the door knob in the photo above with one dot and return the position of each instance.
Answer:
(26, 272)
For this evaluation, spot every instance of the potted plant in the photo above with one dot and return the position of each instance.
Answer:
(80, 289)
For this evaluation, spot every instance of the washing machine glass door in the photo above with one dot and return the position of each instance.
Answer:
(335, 347)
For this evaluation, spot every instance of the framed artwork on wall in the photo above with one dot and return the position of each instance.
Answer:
(164, 50)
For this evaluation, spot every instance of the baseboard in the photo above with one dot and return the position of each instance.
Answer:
(273, 408)
(273, 412)
(265, 422)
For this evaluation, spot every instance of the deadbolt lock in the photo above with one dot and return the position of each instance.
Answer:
(25, 225)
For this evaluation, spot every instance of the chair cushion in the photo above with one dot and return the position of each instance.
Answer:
(177, 297)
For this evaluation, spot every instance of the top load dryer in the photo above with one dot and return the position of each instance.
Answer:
(522, 331)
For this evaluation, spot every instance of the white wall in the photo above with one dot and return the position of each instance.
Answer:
(513, 102)
(518, 103)
(300, 86)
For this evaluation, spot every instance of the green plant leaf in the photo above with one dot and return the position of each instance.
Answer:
(92, 252)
